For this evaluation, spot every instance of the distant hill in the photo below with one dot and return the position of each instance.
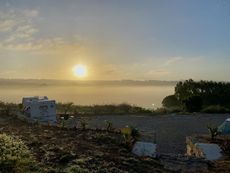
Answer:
(47, 82)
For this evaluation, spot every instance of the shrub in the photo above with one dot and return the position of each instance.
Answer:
(225, 146)
(15, 156)
(213, 130)
(83, 123)
(130, 135)
(8, 109)
(171, 101)
(215, 109)
(175, 109)
(164, 110)
(161, 111)
(109, 126)
(193, 104)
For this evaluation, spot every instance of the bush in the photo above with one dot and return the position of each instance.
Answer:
(215, 109)
(8, 109)
(15, 156)
(213, 130)
(161, 111)
(171, 101)
(109, 126)
(175, 109)
(164, 110)
(225, 146)
(83, 123)
(130, 136)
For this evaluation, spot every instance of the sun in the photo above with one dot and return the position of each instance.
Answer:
(80, 70)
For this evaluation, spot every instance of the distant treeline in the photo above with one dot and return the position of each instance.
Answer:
(124, 108)
(46, 82)
(72, 109)
(202, 96)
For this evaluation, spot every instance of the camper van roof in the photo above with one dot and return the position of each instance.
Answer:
(46, 100)
(36, 97)
(28, 97)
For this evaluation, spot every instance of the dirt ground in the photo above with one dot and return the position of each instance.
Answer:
(98, 151)
(170, 131)
(92, 151)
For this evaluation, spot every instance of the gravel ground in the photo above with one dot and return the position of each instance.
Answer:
(171, 130)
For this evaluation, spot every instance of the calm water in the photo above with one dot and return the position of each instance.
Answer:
(144, 96)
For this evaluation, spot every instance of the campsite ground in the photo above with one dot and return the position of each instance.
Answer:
(57, 148)
(170, 130)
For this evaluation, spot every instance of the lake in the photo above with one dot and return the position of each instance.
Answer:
(144, 96)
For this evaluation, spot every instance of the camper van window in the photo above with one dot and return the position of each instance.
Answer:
(44, 107)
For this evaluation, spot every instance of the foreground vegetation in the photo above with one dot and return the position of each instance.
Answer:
(52, 149)
(40, 148)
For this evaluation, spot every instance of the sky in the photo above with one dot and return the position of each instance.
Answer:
(115, 39)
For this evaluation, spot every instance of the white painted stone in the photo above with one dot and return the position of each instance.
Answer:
(144, 149)
(210, 151)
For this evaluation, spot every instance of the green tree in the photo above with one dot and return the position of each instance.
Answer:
(193, 104)
(206, 93)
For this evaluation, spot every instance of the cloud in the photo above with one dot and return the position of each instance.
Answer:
(173, 60)
(158, 72)
(30, 13)
(21, 33)
(6, 25)
(16, 26)
(11, 19)
(18, 32)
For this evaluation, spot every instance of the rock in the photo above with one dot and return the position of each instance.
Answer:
(144, 149)
(209, 151)
(199, 148)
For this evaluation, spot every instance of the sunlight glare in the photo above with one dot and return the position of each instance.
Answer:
(80, 70)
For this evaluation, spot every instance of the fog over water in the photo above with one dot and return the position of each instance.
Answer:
(90, 94)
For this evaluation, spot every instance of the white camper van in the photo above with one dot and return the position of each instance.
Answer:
(41, 109)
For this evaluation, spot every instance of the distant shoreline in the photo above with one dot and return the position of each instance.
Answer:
(47, 82)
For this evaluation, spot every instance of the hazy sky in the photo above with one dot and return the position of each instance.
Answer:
(115, 39)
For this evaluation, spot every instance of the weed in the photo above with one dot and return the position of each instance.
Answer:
(213, 130)
(130, 135)
(109, 126)
(83, 123)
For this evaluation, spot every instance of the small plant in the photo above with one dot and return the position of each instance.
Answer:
(75, 169)
(83, 123)
(215, 109)
(225, 146)
(109, 126)
(135, 133)
(130, 135)
(62, 122)
(213, 130)
(8, 109)
(15, 156)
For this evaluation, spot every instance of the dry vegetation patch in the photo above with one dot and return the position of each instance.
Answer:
(58, 149)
